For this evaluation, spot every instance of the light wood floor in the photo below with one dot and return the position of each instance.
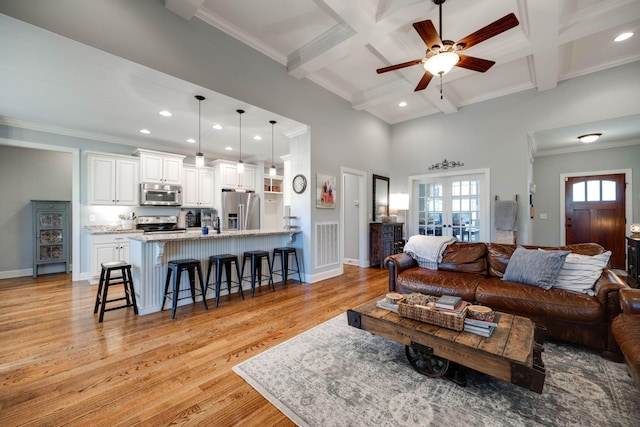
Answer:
(59, 366)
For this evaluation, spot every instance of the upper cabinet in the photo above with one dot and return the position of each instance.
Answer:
(113, 180)
(197, 187)
(163, 168)
(229, 178)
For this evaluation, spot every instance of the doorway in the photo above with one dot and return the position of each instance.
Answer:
(595, 208)
(353, 212)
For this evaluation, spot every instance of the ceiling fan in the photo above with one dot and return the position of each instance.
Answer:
(442, 55)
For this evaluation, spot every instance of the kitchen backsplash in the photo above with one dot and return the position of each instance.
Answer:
(104, 215)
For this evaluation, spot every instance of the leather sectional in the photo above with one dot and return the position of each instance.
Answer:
(474, 272)
(626, 330)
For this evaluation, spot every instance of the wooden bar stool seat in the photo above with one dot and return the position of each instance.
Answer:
(226, 261)
(177, 267)
(255, 258)
(284, 253)
(122, 277)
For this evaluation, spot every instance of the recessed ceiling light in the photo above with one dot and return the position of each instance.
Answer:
(165, 113)
(257, 138)
(228, 148)
(402, 104)
(145, 131)
(191, 140)
(217, 127)
(623, 36)
(590, 137)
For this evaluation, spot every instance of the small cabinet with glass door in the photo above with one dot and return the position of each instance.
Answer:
(51, 233)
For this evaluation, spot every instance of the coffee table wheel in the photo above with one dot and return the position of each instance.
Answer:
(425, 362)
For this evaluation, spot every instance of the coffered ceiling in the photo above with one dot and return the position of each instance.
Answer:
(339, 44)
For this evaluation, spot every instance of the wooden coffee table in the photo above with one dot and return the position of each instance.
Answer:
(512, 353)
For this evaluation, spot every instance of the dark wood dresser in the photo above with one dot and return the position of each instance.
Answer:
(384, 239)
(633, 261)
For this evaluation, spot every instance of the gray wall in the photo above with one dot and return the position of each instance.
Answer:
(27, 174)
(547, 171)
(145, 32)
(493, 134)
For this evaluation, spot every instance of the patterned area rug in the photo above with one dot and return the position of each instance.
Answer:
(337, 375)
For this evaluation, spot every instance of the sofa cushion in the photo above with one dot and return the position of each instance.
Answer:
(580, 272)
(438, 282)
(465, 257)
(532, 301)
(535, 267)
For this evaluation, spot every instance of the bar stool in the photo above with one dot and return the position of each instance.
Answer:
(177, 267)
(256, 258)
(106, 280)
(225, 261)
(284, 271)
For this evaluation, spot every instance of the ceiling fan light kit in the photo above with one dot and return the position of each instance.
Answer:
(443, 55)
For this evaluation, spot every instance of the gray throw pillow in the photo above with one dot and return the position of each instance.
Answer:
(534, 267)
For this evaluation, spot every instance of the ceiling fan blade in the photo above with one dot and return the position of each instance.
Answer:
(424, 81)
(398, 66)
(475, 64)
(428, 33)
(501, 25)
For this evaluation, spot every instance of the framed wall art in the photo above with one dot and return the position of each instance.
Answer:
(325, 191)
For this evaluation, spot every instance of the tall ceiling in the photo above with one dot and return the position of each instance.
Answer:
(63, 85)
(339, 44)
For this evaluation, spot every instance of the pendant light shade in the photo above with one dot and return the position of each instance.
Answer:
(240, 162)
(272, 169)
(199, 155)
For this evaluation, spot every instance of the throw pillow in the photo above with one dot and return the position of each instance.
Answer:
(533, 267)
(580, 272)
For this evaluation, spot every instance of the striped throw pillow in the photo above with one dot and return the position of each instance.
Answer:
(579, 273)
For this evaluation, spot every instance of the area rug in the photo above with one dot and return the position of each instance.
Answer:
(337, 375)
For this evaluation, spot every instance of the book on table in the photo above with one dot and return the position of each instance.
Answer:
(448, 301)
(459, 310)
(478, 330)
(483, 323)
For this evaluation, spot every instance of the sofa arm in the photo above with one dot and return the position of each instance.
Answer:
(630, 300)
(397, 264)
(607, 292)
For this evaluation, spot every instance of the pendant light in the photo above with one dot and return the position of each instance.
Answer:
(240, 162)
(199, 155)
(272, 169)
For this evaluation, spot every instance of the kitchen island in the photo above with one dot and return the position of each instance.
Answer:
(150, 253)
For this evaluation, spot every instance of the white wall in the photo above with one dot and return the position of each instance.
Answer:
(493, 134)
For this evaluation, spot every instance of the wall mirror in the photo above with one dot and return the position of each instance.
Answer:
(380, 193)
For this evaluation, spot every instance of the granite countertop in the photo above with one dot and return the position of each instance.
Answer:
(105, 229)
(197, 235)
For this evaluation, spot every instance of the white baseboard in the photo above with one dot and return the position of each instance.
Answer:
(9, 274)
(351, 261)
(324, 275)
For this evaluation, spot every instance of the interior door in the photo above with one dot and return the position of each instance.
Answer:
(450, 206)
(595, 212)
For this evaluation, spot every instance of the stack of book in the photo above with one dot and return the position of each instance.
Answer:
(483, 328)
(449, 304)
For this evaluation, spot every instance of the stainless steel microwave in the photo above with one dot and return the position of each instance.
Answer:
(152, 194)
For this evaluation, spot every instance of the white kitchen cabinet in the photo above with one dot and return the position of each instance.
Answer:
(197, 187)
(113, 180)
(160, 167)
(231, 179)
(108, 248)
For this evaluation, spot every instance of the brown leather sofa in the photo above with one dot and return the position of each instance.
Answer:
(626, 330)
(474, 272)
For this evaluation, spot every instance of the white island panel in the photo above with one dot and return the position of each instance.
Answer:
(150, 253)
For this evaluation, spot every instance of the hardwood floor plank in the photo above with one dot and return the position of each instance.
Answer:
(59, 366)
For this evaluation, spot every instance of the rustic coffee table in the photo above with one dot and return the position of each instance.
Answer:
(512, 353)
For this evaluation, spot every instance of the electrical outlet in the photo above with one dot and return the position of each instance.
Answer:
(543, 215)
(92, 217)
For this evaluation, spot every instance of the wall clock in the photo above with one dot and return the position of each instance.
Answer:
(299, 184)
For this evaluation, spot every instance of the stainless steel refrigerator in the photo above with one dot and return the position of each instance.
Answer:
(240, 211)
